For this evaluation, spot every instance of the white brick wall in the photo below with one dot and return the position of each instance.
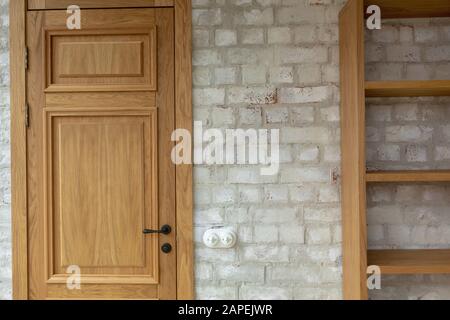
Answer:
(276, 62)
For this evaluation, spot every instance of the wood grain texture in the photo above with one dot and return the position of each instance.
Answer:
(184, 120)
(408, 176)
(411, 8)
(97, 292)
(90, 100)
(407, 88)
(97, 4)
(35, 165)
(102, 59)
(167, 182)
(17, 11)
(353, 150)
(411, 261)
(69, 98)
(93, 178)
(101, 192)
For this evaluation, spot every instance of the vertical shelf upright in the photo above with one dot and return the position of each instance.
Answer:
(354, 90)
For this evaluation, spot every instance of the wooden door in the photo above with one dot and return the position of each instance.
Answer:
(101, 114)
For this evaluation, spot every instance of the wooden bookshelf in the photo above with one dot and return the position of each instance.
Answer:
(410, 261)
(354, 178)
(408, 176)
(407, 88)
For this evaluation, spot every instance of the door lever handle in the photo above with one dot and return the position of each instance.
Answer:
(165, 229)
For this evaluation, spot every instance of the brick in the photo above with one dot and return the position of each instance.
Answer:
(209, 96)
(303, 95)
(266, 233)
(408, 133)
(308, 153)
(318, 235)
(226, 75)
(304, 135)
(281, 75)
(255, 17)
(252, 95)
(265, 253)
(216, 293)
(240, 273)
(201, 76)
(264, 293)
(214, 215)
(225, 38)
(278, 215)
(389, 152)
(252, 36)
(205, 57)
(303, 55)
(295, 175)
(292, 234)
(321, 214)
(253, 75)
(279, 35)
(302, 115)
(200, 38)
(206, 17)
(437, 53)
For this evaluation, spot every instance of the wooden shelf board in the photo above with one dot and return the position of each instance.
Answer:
(407, 88)
(391, 9)
(410, 261)
(408, 176)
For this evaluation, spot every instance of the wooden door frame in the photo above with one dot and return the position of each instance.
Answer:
(183, 119)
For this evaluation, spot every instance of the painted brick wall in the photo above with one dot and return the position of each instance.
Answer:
(5, 197)
(409, 133)
(285, 54)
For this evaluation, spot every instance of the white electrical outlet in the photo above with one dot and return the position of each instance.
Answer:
(220, 238)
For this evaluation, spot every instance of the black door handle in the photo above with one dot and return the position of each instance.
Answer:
(165, 229)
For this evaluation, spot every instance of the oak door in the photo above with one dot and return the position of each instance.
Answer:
(101, 114)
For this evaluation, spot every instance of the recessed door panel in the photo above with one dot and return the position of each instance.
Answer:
(102, 185)
(101, 59)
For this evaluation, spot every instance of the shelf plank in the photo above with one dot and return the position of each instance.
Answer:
(391, 9)
(410, 261)
(407, 88)
(408, 176)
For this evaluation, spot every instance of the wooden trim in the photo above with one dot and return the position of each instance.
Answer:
(408, 176)
(184, 119)
(97, 4)
(353, 151)
(183, 96)
(408, 88)
(391, 9)
(18, 149)
(427, 261)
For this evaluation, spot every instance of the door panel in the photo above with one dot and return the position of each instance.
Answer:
(107, 58)
(99, 154)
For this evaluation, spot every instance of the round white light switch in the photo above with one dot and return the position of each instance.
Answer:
(220, 238)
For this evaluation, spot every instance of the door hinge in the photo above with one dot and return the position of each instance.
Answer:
(27, 115)
(26, 58)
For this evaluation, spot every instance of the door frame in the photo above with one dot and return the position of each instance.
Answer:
(183, 120)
